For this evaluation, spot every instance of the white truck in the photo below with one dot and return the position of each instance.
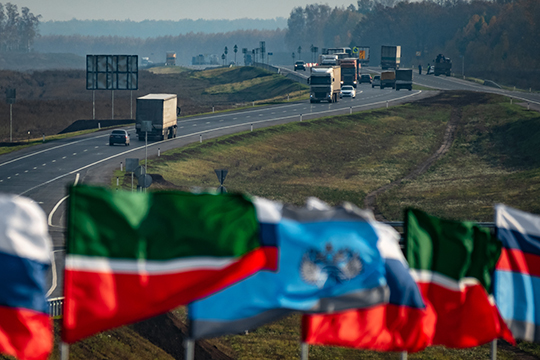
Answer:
(325, 83)
(156, 115)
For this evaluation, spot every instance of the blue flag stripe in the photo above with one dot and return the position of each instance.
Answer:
(403, 288)
(518, 295)
(22, 283)
(513, 239)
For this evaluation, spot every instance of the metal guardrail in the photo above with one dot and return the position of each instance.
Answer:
(56, 306)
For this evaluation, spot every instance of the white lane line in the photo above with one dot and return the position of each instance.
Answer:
(202, 132)
(49, 220)
(208, 122)
(17, 174)
(25, 171)
(194, 124)
(35, 168)
(181, 127)
(248, 116)
(53, 148)
(85, 150)
(222, 120)
(9, 177)
(273, 113)
(95, 147)
(260, 114)
(53, 161)
(54, 281)
(1, 180)
(232, 118)
(64, 157)
(43, 164)
(74, 153)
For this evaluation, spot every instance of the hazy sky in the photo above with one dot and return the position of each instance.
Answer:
(138, 10)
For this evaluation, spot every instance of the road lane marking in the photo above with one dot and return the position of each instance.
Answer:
(74, 153)
(53, 161)
(49, 220)
(64, 157)
(43, 164)
(17, 174)
(25, 171)
(208, 122)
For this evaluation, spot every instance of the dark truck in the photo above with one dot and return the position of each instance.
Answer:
(350, 71)
(443, 66)
(404, 79)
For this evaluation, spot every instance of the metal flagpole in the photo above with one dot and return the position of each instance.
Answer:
(10, 122)
(493, 350)
(304, 351)
(403, 355)
(93, 104)
(64, 351)
(112, 97)
(189, 345)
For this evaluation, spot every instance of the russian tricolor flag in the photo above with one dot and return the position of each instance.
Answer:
(517, 275)
(25, 327)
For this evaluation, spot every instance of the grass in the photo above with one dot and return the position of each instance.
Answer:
(165, 70)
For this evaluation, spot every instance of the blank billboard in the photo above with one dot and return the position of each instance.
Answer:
(112, 72)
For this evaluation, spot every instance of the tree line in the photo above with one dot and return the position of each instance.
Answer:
(18, 31)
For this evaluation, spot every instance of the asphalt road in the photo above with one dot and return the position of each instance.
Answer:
(43, 172)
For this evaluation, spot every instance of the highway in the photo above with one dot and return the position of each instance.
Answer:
(43, 172)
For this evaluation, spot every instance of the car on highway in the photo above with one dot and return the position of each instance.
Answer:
(365, 78)
(376, 81)
(119, 137)
(299, 65)
(347, 91)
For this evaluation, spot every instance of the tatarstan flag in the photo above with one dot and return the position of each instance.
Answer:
(130, 256)
(453, 264)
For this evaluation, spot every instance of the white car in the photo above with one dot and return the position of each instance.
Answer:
(347, 90)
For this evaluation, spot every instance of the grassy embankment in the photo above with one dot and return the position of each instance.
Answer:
(342, 158)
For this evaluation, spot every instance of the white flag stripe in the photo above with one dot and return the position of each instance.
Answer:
(23, 229)
(425, 276)
(268, 211)
(517, 220)
(142, 266)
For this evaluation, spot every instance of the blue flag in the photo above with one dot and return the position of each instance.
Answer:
(328, 261)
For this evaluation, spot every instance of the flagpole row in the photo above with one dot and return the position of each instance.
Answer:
(64, 351)
(189, 346)
(494, 350)
(304, 351)
(403, 355)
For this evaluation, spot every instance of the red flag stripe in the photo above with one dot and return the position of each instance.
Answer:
(25, 334)
(99, 301)
(517, 261)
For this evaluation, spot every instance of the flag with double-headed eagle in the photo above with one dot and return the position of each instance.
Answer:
(328, 261)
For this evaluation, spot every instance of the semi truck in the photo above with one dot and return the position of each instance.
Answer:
(363, 55)
(404, 79)
(156, 115)
(390, 57)
(350, 71)
(325, 83)
(388, 79)
(443, 66)
(170, 59)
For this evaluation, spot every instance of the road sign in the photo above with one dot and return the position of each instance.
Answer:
(362, 55)
(10, 96)
(146, 126)
(418, 53)
(221, 175)
(270, 53)
(139, 171)
(144, 180)
(355, 50)
(131, 164)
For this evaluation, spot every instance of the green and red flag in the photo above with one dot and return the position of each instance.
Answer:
(130, 256)
(453, 264)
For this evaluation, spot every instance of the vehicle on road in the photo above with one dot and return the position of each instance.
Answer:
(365, 78)
(443, 66)
(350, 71)
(404, 79)
(119, 137)
(376, 81)
(328, 60)
(430, 70)
(299, 65)
(390, 57)
(347, 91)
(156, 116)
(388, 79)
(325, 84)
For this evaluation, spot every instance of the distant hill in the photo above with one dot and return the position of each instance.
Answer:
(155, 28)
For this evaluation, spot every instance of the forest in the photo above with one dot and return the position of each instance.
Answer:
(495, 40)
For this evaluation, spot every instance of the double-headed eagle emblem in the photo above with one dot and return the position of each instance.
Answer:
(329, 267)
